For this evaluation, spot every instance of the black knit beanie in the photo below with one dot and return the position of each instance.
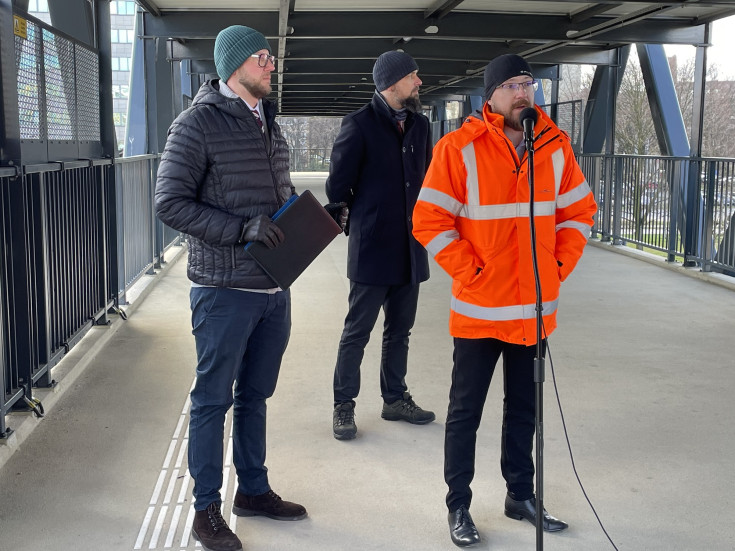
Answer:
(391, 67)
(501, 69)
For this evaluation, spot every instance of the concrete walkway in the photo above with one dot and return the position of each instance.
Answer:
(643, 359)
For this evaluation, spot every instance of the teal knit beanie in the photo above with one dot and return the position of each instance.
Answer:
(233, 46)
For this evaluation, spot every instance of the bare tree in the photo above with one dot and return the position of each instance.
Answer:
(634, 131)
(310, 140)
(719, 110)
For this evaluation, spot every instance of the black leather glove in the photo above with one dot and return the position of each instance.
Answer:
(262, 228)
(339, 212)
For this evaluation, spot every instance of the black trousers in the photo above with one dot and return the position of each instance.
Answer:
(399, 304)
(474, 365)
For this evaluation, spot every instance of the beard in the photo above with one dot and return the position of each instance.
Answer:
(513, 120)
(412, 103)
(255, 86)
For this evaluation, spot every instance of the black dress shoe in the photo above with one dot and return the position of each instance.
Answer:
(461, 527)
(527, 509)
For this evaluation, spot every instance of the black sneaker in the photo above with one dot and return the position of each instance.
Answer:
(405, 409)
(343, 421)
(211, 530)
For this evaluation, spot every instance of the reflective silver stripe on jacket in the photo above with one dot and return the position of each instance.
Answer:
(572, 196)
(502, 313)
(472, 183)
(440, 199)
(473, 210)
(583, 228)
(557, 161)
(507, 210)
(436, 245)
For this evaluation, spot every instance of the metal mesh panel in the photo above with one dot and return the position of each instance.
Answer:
(60, 90)
(88, 100)
(27, 63)
(569, 119)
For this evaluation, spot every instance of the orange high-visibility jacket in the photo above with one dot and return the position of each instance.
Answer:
(472, 216)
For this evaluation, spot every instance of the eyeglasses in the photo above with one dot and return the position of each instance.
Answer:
(525, 86)
(263, 59)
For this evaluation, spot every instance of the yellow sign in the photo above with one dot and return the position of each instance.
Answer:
(20, 27)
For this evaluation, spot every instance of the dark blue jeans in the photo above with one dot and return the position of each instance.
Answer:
(399, 304)
(240, 339)
(474, 365)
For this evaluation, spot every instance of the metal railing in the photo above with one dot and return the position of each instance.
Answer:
(77, 236)
(642, 200)
(57, 286)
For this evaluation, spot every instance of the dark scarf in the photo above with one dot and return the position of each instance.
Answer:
(398, 114)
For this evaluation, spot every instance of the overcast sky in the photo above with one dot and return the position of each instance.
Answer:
(722, 51)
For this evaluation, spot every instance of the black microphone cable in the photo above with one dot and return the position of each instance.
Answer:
(569, 445)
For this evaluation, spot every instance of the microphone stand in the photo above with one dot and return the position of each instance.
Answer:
(538, 362)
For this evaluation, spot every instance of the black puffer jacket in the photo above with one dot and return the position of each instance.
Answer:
(217, 172)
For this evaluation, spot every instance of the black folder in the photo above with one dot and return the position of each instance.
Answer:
(308, 229)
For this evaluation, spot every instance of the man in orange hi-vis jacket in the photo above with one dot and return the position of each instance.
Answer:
(472, 216)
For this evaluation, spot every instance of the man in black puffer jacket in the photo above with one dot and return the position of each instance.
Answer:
(224, 172)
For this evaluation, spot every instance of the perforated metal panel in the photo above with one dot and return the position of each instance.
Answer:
(58, 96)
(58, 57)
(88, 97)
(28, 65)
(569, 118)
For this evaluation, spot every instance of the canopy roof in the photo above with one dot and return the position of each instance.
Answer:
(326, 49)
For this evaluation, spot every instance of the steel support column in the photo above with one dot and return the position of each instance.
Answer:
(136, 131)
(159, 115)
(603, 92)
(693, 201)
(107, 124)
(665, 110)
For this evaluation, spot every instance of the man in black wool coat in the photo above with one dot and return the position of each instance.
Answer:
(378, 163)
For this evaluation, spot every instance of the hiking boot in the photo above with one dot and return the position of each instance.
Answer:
(211, 530)
(406, 409)
(268, 505)
(343, 421)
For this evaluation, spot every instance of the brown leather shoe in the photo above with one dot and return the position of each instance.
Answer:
(268, 505)
(211, 530)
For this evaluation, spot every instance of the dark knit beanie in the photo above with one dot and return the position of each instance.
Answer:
(501, 69)
(391, 67)
(233, 46)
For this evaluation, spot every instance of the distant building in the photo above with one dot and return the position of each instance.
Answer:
(122, 23)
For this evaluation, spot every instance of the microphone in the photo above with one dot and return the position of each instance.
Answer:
(528, 118)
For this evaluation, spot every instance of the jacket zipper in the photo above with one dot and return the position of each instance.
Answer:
(544, 131)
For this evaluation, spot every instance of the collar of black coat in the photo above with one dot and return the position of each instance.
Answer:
(382, 105)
